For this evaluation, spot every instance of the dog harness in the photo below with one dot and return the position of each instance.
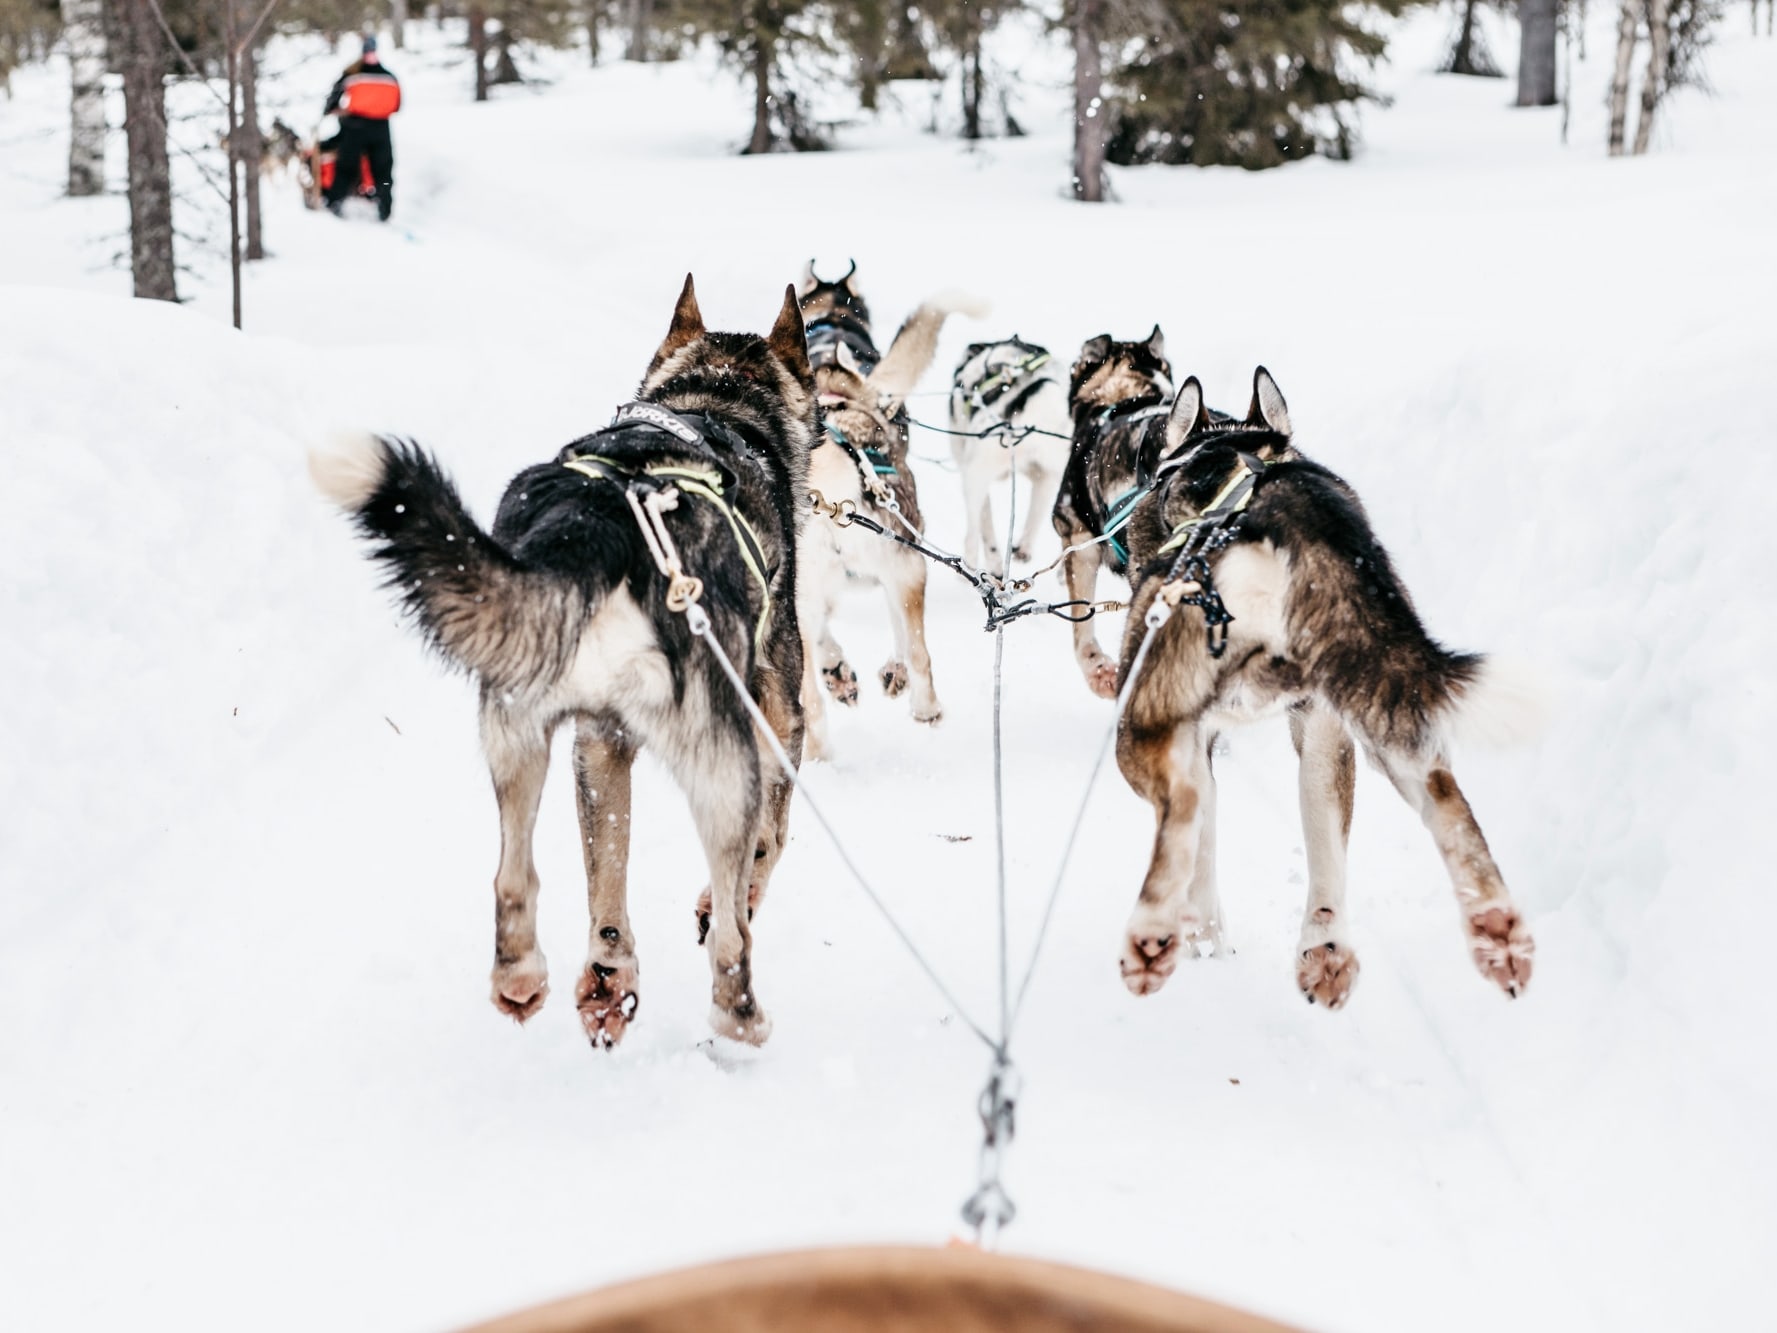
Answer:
(1009, 379)
(826, 333)
(706, 484)
(1118, 512)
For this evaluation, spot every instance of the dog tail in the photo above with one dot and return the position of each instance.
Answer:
(916, 343)
(476, 605)
(1497, 704)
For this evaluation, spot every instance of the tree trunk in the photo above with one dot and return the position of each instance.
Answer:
(1653, 85)
(478, 49)
(83, 21)
(398, 22)
(252, 149)
(1462, 61)
(641, 23)
(592, 31)
(1089, 110)
(1536, 52)
(761, 141)
(1619, 83)
(505, 68)
(145, 127)
(972, 74)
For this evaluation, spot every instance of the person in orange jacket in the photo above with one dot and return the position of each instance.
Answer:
(365, 97)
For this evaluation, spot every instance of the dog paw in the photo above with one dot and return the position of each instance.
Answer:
(747, 1023)
(1150, 954)
(1021, 555)
(931, 715)
(842, 683)
(894, 678)
(1502, 947)
(1101, 675)
(607, 998)
(521, 987)
(1326, 973)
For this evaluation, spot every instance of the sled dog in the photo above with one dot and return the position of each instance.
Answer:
(1118, 394)
(1015, 385)
(1286, 600)
(562, 611)
(860, 458)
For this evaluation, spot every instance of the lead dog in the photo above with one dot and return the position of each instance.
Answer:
(1321, 626)
(860, 459)
(1007, 387)
(562, 612)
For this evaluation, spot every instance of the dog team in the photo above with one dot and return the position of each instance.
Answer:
(730, 483)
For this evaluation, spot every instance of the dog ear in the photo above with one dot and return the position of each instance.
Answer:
(846, 281)
(1268, 407)
(787, 340)
(842, 353)
(1188, 415)
(808, 281)
(1157, 344)
(687, 326)
(1095, 350)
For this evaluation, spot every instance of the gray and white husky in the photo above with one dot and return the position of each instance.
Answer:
(1015, 385)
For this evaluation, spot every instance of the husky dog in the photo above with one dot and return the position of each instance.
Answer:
(563, 611)
(280, 149)
(1018, 385)
(860, 458)
(1118, 394)
(1321, 625)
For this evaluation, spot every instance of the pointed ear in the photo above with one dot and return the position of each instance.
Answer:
(842, 353)
(1268, 407)
(1095, 350)
(687, 324)
(1188, 415)
(1157, 344)
(846, 281)
(787, 340)
(807, 282)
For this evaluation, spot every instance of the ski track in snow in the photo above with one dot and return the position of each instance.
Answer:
(248, 1052)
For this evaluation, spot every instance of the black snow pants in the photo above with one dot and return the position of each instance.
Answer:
(361, 137)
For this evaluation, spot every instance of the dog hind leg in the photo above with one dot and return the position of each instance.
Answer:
(1044, 484)
(714, 755)
(905, 588)
(1080, 568)
(609, 988)
(1499, 941)
(1326, 966)
(517, 750)
(1170, 767)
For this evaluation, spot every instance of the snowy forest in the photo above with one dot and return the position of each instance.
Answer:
(386, 946)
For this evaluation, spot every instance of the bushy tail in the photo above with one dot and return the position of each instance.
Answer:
(916, 344)
(1499, 704)
(476, 605)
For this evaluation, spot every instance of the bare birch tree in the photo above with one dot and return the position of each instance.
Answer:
(1627, 22)
(1653, 83)
(83, 24)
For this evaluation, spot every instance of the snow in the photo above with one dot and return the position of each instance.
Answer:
(247, 1062)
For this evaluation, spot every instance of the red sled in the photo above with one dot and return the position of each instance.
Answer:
(318, 171)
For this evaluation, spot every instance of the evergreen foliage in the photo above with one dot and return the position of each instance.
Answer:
(1254, 85)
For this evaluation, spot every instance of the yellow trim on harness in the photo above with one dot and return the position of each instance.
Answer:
(707, 483)
(1183, 531)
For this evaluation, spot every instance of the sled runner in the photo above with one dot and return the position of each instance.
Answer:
(317, 161)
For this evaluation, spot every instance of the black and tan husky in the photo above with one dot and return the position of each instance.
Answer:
(562, 611)
(860, 458)
(1321, 626)
(1118, 394)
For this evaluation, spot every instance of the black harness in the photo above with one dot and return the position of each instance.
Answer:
(829, 331)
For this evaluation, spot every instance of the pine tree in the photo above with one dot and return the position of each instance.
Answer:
(1253, 85)
(762, 38)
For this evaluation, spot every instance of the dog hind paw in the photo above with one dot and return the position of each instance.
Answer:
(842, 683)
(1326, 973)
(893, 677)
(521, 987)
(1503, 948)
(1149, 957)
(607, 998)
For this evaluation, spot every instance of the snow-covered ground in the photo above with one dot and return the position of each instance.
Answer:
(248, 1072)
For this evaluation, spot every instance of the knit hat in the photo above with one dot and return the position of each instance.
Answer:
(370, 44)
